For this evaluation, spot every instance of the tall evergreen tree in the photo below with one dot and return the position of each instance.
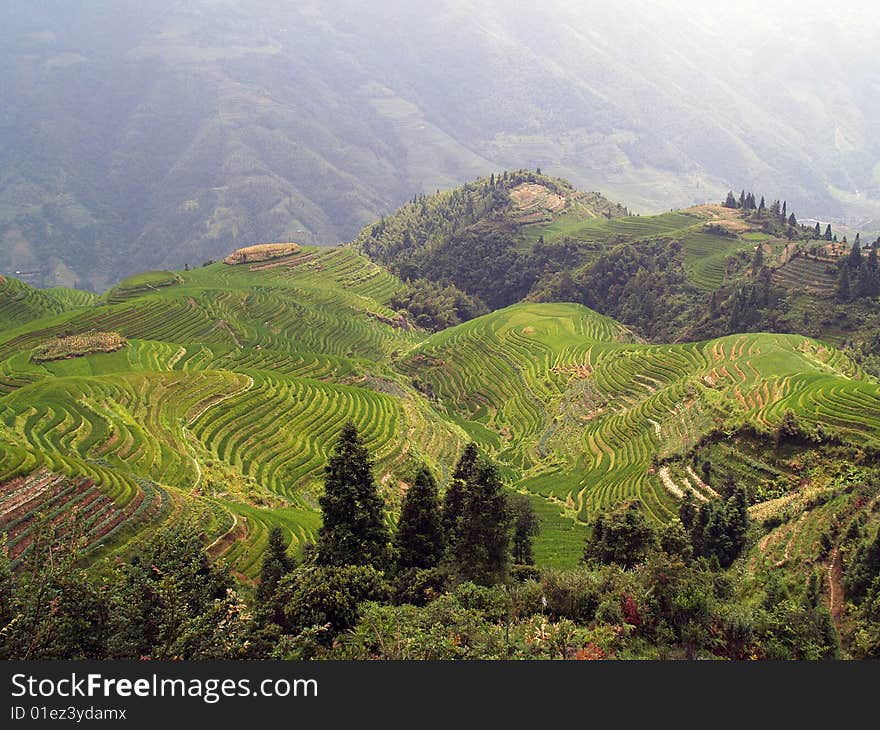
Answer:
(762, 207)
(525, 528)
(354, 531)
(818, 230)
(784, 210)
(454, 499)
(482, 548)
(736, 518)
(419, 538)
(792, 221)
(276, 564)
(844, 292)
(829, 236)
(467, 463)
(855, 256)
(730, 202)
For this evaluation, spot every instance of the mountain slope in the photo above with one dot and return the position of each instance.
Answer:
(136, 136)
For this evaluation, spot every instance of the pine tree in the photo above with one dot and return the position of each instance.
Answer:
(276, 564)
(784, 211)
(843, 284)
(818, 230)
(792, 221)
(742, 199)
(762, 207)
(855, 256)
(419, 538)
(730, 202)
(525, 528)
(353, 532)
(454, 499)
(828, 235)
(736, 519)
(482, 549)
(467, 463)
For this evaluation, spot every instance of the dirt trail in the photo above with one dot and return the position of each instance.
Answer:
(835, 585)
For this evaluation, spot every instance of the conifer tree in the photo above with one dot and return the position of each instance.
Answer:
(419, 538)
(784, 211)
(353, 532)
(762, 207)
(525, 528)
(758, 257)
(855, 256)
(818, 230)
(730, 202)
(872, 260)
(843, 284)
(481, 552)
(792, 221)
(736, 520)
(453, 500)
(828, 235)
(276, 564)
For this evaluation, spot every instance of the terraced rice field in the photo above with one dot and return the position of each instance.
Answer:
(225, 402)
(710, 258)
(581, 414)
(235, 382)
(614, 230)
(807, 275)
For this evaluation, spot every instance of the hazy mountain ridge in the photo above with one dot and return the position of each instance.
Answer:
(194, 127)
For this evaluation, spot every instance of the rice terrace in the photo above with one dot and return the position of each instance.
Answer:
(539, 356)
(219, 392)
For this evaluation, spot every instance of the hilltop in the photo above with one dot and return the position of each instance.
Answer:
(705, 271)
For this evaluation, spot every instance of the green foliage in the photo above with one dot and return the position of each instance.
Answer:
(480, 551)
(718, 529)
(525, 527)
(276, 564)
(353, 531)
(863, 569)
(173, 603)
(435, 307)
(623, 537)
(55, 610)
(327, 597)
(419, 539)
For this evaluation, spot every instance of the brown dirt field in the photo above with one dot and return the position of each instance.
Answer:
(529, 197)
(261, 252)
(717, 215)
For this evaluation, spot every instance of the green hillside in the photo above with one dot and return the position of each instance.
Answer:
(234, 381)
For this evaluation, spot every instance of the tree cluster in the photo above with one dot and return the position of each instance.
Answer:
(858, 275)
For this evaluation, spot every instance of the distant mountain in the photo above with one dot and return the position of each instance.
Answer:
(139, 136)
